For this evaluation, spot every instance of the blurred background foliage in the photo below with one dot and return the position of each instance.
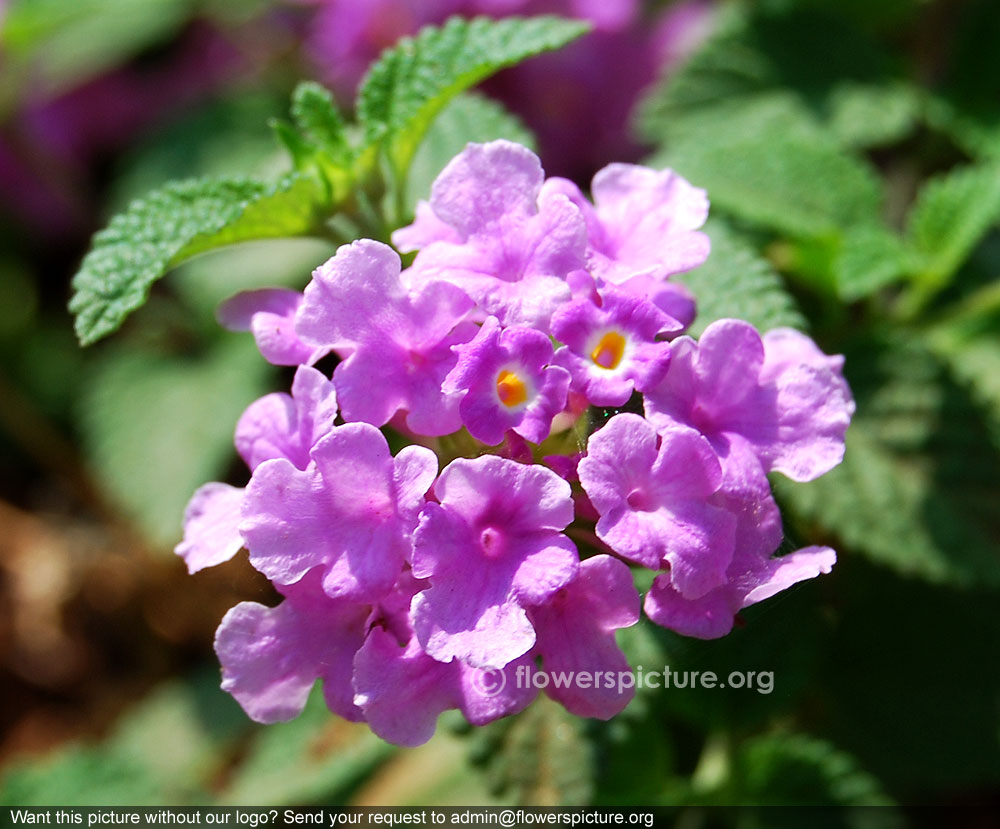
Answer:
(851, 149)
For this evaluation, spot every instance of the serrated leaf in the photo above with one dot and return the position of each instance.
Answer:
(156, 427)
(415, 79)
(319, 121)
(794, 769)
(974, 361)
(873, 115)
(950, 217)
(780, 181)
(737, 282)
(827, 69)
(918, 485)
(173, 224)
(870, 258)
(468, 117)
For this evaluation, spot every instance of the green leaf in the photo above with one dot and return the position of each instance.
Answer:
(315, 758)
(974, 361)
(175, 223)
(156, 427)
(319, 121)
(870, 258)
(540, 757)
(779, 180)
(468, 117)
(164, 750)
(873, 115)
(323, 135)
(63, 43)
(790, 769)
(413, 81)
(950, 217)
(918, 485)
(827, 71)
(737, 282)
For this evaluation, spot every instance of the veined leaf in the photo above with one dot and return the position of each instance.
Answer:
(918, 485)
(831, 72)
(413, 81)
(737, 282)
(175, 223)
(319, 121)
(789, 769)
(871, 257)
(782, 181)
(468, 117)
(951, 215)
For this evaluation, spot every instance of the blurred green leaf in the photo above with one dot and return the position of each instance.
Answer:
(315, 758)
(951, 215)
(736, 282)
(155, 427)
(468, 117)
(65, 43)
(540, 757)
(413, 81)
(974, 360)
(781, 181)
(918, 486)
(870, 258)
(164, 751)
(173, 224)
(828, 72)
(793, 769)
(873, 115)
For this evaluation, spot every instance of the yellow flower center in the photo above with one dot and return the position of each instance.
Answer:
(511, 389)
(609, 351)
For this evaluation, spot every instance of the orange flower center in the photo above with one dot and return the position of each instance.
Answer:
(609, 350)
(511, 389)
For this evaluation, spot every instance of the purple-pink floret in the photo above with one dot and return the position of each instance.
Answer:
(575, 633)
(507, 382)
(779, 393)
(492, 547)
(528, 314)
(351, 512)
(275, 426)
(399, 341)
(269, 313)
(654, 493)
(499, 235)
(615, 349)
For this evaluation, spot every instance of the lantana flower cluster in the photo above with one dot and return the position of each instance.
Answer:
(559, 432)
